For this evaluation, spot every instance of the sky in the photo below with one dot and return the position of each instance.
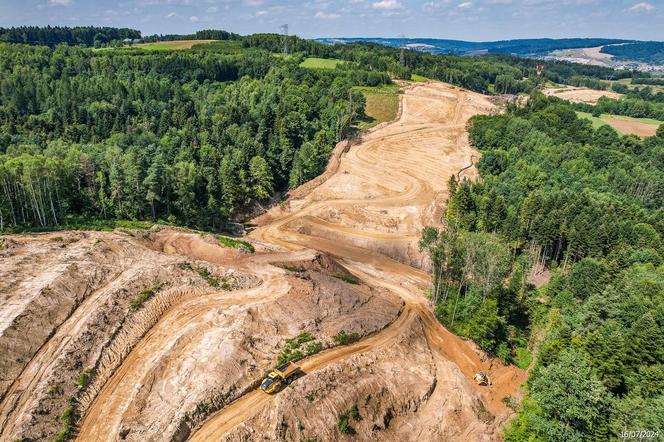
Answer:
(474, 20)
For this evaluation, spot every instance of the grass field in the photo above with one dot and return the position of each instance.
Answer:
(320, 63)
(171, 45)
(418, 78)
(625, 125)
(628, 82)
(382, 105)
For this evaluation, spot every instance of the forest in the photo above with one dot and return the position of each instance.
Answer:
(205, 34)
(191, 137)
(644, 51)
(188, 137)
(636, 104)
(588, 206)
(54, 35)
(509, 74)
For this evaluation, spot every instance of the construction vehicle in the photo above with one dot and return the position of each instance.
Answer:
(482, 379)
(282, 376)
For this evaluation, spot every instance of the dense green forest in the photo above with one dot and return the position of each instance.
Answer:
(643, 51)
(634, 105)
(205, 34)
(184, 136)
(192, 136)
(52, 36)
(589, 205)
(509, 74)
(650, 81)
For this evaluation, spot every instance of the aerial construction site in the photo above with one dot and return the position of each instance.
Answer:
(165, 334)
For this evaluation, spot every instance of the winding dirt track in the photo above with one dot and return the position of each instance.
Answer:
(368, 213)
(384, 191)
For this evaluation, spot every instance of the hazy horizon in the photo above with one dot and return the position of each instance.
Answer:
(469, 20)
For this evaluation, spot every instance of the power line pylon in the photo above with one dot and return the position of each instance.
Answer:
(284, 33)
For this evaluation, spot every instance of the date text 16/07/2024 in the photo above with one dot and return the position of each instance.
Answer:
(639, 434)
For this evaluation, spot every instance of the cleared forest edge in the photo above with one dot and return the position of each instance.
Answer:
(170, 343)
(400, 168)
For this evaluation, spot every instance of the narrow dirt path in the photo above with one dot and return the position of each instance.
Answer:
(385, 189)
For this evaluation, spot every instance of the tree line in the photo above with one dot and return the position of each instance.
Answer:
(54, 35)
(487, 74)
(631, 106)
(588, 206)
(205, 34)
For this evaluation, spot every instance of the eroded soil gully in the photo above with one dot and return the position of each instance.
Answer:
(403, 169)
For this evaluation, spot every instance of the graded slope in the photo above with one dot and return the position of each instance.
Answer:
(368, 213)
(185, 363)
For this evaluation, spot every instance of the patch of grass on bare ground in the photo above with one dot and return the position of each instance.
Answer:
(226, 241)
(382, 105)
(320, 63)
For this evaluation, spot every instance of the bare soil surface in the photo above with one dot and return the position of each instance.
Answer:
(633, 127)
(580, 94)
(185, 363)
(412, 380)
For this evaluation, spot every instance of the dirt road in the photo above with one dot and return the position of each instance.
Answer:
(368, 214)
(167, 372)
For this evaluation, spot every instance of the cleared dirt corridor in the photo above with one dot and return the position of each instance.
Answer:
(184, 365)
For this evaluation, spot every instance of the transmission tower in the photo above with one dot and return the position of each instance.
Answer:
(284, 33)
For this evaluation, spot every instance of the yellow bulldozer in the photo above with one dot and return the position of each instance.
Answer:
(482, 379)
(282, 376)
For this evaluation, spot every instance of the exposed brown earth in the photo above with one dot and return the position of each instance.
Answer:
(633, 127)
(377, 198)
(580, 94)
(185, 364)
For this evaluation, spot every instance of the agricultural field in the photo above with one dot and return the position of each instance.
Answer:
(642, 127)
(382, 105)
(628, 83)
(591, 56)
(171, 45)
(320, 63)
(579, 94)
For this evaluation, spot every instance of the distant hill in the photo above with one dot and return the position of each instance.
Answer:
(651, 52)
(523, 47)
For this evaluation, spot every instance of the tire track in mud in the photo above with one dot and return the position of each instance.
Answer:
(370, 161)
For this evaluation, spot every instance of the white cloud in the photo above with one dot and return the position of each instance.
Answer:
(194, 19)
(642, 7)
(326, 15)
(262, 13)
(387, 4)
(170, 15)
(59, 2)
(465, 5)
(212, 10)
